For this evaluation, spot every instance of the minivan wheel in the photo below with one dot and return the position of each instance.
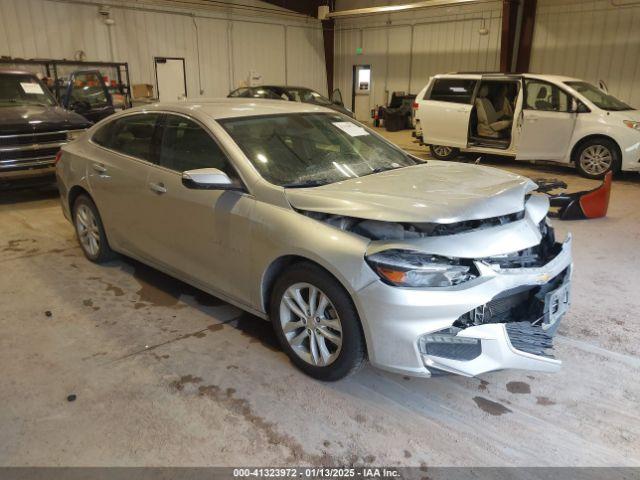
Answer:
(90, 231)
(316, 323)
(596, 157)
(444, 153)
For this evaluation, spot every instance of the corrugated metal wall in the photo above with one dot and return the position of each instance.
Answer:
(593, 40)
(282, 49)
(405, 49)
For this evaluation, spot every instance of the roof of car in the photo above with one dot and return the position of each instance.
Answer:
(218, 108)
(488, 75)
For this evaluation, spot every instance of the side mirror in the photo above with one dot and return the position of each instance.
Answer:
(208, 179)
(578, 107)
(336, 98)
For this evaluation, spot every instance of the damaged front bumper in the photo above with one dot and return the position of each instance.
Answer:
(503, 319)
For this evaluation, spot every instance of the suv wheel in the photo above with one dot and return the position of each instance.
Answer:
(90, 230)
(444, 153)
(596, 157)
(316, 323)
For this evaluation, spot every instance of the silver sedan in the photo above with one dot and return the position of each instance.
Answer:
(353, 249)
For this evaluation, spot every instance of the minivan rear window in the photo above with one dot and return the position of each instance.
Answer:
(454, 90)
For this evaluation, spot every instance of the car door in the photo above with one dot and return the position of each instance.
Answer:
(88, 96)
(446, 110)
(117, 174)
(203, 235)
(546, 122)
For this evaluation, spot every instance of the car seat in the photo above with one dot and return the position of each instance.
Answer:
(488, 123)
(541, 100)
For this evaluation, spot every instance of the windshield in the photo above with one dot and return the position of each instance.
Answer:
(23, 90)
(599, 98)
(311, 149)
(307, 96)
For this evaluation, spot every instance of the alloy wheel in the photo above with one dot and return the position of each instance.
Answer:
(311, 324)
(596, 159)
(88, 230)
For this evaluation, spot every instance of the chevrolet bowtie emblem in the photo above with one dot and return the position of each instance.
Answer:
(544, 277)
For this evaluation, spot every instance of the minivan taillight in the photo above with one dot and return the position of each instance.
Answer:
(415, 105)
(57, 159)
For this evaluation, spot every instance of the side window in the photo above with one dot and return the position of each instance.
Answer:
(187, 146)
(455, 90)
(545, 97)
(131, 135)
(103, 135)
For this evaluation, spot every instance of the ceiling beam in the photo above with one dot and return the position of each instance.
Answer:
(304, 7)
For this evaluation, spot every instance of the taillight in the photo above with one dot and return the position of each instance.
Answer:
(415, 105)
(58, 156)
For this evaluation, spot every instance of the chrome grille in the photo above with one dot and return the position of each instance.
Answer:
(30, 150)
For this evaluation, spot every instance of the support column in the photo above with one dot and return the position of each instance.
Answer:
(508, 37)
(526, 35)
(328, 37)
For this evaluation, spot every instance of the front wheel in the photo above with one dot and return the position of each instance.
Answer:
(316, 323)
(444, 153)
(596, 157)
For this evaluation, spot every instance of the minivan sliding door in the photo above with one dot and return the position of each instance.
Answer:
(445, 118)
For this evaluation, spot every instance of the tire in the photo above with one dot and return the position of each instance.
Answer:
(333, 362)
(90, 231)
(442, 152)
(597, 156)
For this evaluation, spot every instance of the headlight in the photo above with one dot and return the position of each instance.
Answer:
(74, 134)
(632, 124)
(406, 268)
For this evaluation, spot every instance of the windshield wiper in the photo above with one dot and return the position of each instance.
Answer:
(306, 184)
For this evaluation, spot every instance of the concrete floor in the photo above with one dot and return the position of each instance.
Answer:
(167, 375)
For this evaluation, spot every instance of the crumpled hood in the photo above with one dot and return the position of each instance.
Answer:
(438, 192)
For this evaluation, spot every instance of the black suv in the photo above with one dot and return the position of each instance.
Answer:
(33, 126)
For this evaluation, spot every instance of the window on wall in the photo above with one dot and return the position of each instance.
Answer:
(545, 97)
(454, 90)
(187, 146)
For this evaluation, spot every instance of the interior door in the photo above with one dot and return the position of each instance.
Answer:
(444, 116)
(205, 235)
(361, 92)
(171, 81)
(546, 123)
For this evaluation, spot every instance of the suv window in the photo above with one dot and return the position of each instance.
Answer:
(187, 146)
(131, 135)
(455, 90)
(545, 96)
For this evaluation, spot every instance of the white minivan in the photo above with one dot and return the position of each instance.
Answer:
(529, 117)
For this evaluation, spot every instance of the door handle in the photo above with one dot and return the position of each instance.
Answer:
(98, 167)
(533, 119)
(158, 188)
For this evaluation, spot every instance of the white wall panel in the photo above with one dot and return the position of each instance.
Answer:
(261, 48)
(219, 46)
(305, 58)
(405, 49)
(593, 40)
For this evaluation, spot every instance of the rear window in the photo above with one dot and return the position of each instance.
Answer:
(454, 90)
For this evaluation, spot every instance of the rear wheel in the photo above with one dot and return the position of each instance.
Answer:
(596, 157)
(442, 152)
(316, 323)
(90, 231)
